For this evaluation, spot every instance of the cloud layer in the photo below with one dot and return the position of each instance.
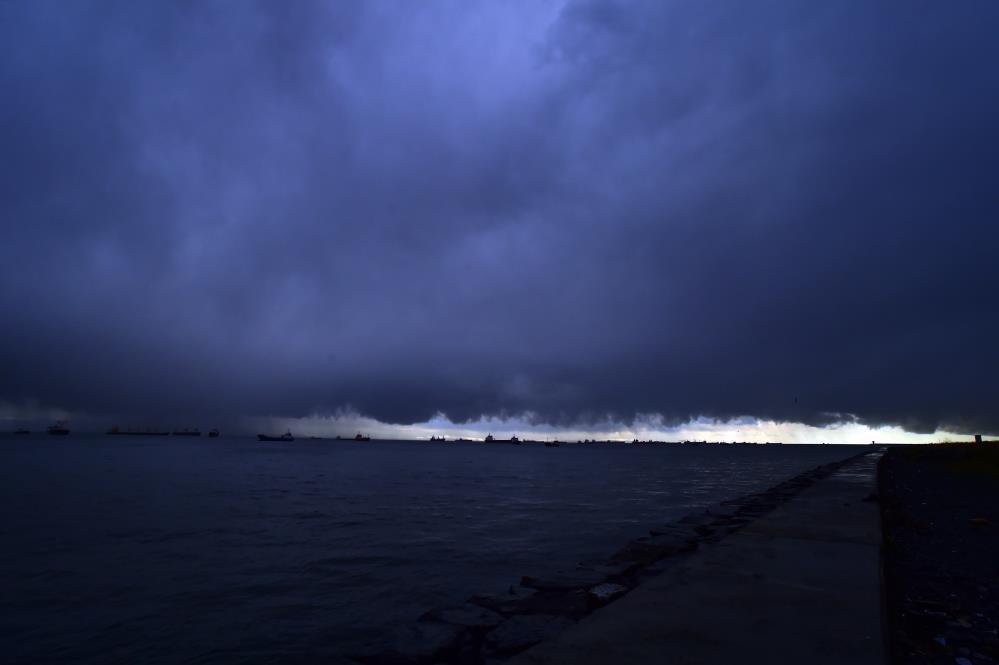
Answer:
(581, 210)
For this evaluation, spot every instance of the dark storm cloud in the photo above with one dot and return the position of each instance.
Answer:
(778, 209)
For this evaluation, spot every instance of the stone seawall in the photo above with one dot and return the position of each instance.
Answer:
(491, 627)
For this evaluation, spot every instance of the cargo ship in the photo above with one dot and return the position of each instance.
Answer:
(356, 437)
(115, 431)
(512, 440)
(284, 437)
(59, 429)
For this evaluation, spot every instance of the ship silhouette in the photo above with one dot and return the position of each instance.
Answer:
(284, 437)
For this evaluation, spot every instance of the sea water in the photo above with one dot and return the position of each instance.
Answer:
(170, 549)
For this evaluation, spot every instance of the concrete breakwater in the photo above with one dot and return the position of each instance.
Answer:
(492, 627)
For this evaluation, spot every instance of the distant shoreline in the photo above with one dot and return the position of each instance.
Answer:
(40, 433)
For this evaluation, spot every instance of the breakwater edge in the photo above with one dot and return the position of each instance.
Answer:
(491, 627)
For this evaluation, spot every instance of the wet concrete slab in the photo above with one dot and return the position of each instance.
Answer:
(800, 584)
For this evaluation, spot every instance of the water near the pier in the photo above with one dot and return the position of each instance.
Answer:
(162, 549)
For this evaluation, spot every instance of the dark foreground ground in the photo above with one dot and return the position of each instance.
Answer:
(941, 553)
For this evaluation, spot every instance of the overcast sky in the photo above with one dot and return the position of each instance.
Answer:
(581, 210)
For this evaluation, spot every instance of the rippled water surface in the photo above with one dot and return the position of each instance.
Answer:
(168, 549)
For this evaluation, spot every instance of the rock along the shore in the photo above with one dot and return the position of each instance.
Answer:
(520, 632)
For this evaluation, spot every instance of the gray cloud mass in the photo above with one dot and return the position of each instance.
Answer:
(575, 209)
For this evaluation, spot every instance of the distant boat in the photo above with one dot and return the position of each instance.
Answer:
(59, 428)
(361, 437)
(115, 431)
(22, 431)
(213, 433)
(284, 437)
(551, 444)
(187, 432)
(512, 440)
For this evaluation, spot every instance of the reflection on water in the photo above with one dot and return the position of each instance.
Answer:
(229, 550)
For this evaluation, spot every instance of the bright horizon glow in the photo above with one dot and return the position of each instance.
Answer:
(526, 426)
(645, 428)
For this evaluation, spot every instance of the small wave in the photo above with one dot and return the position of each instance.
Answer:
(351, 560)
(310, 515)
(183, 534)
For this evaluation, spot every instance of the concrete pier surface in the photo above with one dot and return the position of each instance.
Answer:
(799, 585)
